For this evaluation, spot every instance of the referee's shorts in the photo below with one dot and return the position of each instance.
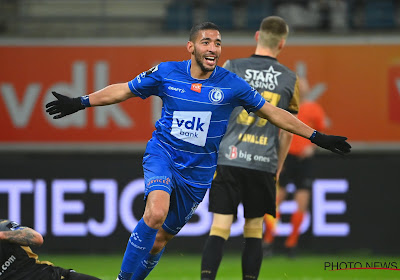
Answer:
(233, 185)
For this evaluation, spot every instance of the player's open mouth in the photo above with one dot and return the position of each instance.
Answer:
(210, 60)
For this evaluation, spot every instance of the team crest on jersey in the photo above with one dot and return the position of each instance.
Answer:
(216, 95)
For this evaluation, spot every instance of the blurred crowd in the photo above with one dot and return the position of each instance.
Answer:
(117, 18)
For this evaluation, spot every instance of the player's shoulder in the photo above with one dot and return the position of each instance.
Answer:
(285, 69)
(166, 67)
(240, 60)
(231, 64)
(173, 64)
(222, 71)
(287, 76)
(230, 77)
(274, 62)
(262, 62)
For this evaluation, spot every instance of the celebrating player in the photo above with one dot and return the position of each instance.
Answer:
(180, 158)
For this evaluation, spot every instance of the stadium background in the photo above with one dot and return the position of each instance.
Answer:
(78, 180)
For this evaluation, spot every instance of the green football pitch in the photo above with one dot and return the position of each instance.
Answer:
(187, 267)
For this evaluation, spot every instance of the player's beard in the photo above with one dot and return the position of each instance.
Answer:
(199, 60)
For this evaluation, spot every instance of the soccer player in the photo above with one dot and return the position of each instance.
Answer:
(180, 158)
(298, 170)
(17, 261)
(252, 153)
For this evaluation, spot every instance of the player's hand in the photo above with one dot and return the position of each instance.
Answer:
(336, 144)
(63, 106)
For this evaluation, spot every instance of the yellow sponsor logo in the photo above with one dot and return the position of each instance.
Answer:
(251, 138)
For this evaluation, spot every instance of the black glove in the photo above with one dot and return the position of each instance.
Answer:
(64, 105)
(336, 144)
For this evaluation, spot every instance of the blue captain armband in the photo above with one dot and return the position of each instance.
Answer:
(85, 101)
(313, 135)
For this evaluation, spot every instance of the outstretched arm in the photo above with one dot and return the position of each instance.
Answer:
(111, 94)
(285, 120)
(65, 105)
(288, 122)
(24, 236)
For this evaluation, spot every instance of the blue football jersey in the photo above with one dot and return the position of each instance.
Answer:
(194, 116)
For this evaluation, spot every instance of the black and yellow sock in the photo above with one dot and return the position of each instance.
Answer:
(212, 256)
(251, 258)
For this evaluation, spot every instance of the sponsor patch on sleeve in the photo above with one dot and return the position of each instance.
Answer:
(152, 70)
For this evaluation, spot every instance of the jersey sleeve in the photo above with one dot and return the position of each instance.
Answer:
(147, 83)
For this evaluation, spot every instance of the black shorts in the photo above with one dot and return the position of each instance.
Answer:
(232, 185)
(297, 171)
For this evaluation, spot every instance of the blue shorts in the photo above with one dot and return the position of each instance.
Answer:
(159, 175)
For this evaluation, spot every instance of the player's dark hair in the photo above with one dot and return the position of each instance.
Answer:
(201, 26)
(272, 30)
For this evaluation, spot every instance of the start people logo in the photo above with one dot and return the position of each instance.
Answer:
(191, 126)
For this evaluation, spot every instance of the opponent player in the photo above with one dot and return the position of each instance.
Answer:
(17, 261)
(180, 158)
(252, 153)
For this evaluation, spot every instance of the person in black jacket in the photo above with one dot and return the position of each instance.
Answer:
(18, 261)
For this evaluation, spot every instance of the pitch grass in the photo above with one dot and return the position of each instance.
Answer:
(187, 267)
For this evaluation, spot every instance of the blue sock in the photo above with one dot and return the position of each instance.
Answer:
(139, 244)
(146, 265)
